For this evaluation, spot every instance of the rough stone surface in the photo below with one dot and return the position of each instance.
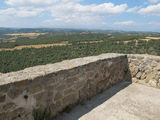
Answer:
(2, 98)
(70, 82)
(121, 102)
(145, 69)
(59, 85)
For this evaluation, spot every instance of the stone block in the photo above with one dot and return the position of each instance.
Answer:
(61, 87)
(69, 90)
(41, 98)
(153, 83)
(150, 76)
(58, 96)
(22, 84)
(134, 70)
(140, 57)
(139, 74)
(70, 81)
(20, 114)
(3, 116)
(83, 94)
(14, 92)
(2, 98)
(8, 107)
(102, 85)
(70, 99)
(92, 89)
(134, 80)
(4, 88)
(143, 76)
(35, 89)
(154, 64)
(54, 108)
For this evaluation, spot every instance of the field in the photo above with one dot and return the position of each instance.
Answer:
(26, 34)
(35, 46)
(21, 50)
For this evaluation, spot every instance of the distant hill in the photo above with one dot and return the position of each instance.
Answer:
(41, 30)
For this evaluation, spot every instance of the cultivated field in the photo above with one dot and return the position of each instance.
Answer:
(22, 50)
(26, 34)
(65, 43)
(35, 46)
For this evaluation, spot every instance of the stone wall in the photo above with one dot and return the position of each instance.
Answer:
(56, 86)
(145, 69)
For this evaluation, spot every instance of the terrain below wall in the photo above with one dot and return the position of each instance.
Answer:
(54, 87)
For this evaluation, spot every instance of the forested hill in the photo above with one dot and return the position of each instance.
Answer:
(41, 30)
(21, 50)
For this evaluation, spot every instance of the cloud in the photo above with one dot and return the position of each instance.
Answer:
(36, 3)
(124, 22)
(134, 9)
(20, 12)
(66, 12)
(30, 2)
(153, 23)
(153, 1)
(62, 13)
(150, 10)
(105, 8)
(74, 12)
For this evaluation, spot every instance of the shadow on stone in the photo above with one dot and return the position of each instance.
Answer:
(85, 107)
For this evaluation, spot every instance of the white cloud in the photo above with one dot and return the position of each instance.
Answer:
(134, 9)
(64, 12)
(153, 1)
(78, 14)
(20, 12)
(153, 23)
(151, 10)
(36, 3)
(105, 8)
(124, 22)
(30, 2)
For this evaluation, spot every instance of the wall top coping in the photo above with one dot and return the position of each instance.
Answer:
(42, 70)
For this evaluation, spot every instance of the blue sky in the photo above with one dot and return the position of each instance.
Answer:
(136, 15)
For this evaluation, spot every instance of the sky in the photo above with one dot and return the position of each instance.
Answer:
(129, 15)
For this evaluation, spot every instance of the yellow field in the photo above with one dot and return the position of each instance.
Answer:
(26, 34)
(145, 39)
(36, 46)
(99, 41)
(65, 43)
(151, 38)
(155, 38)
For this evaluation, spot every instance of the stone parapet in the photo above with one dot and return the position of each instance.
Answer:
(54, 87)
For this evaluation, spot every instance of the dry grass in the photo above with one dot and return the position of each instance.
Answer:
(12, 41)
(36, 46)
(14, 36)
(26, 34)
(126, 42)
(145, 39)
(154, 38)
(151, 38)
(91, 42)
(65, 43)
